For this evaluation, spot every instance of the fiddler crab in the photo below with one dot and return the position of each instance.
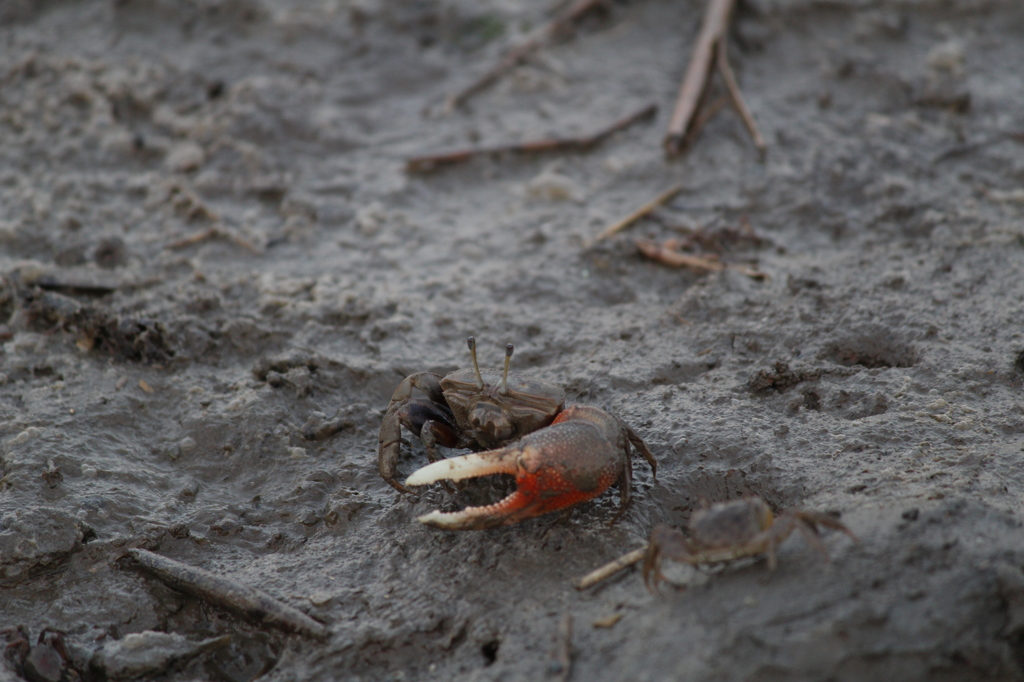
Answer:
(733, 530)
(560, 456)
(47, 660)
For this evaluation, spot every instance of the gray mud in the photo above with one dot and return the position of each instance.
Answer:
(157, 388)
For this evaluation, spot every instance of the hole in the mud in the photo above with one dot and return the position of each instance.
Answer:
(1016, 641)
(812, 401)
(1018, 363)
(215, 89)
(712, 487)
(245, 657)
(872, 354)
(490, 651)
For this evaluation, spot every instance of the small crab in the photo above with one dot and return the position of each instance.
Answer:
(578, 457)
(733, 530)
(47, 661)
(462, 410)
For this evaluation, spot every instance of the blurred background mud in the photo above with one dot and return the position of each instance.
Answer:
(210, 248)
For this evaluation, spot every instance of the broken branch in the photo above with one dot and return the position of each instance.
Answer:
(666, 254)
(710, 51)
(737, 98)
(428, 162)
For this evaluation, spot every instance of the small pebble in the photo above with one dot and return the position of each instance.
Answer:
(948, 56)
(186, 156)
(552, 186)
(25, 436)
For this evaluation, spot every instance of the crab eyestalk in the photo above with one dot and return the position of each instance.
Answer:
(504, 377)
(471, 342)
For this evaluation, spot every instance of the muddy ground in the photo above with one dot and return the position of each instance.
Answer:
(210, 246)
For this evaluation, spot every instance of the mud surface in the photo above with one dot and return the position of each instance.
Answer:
(210, 250)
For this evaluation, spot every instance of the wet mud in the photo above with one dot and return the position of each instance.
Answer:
(216, 270)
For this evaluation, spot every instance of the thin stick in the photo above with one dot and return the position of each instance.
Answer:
(213, 233)
(611, 568)
(565, 647)
(710, 51)
(623, 123)
(669, 256)
(644, 210)
(235, 596)
(695, 81)
(193, 239)
(737, 98)
(428, 162)
(519, 53)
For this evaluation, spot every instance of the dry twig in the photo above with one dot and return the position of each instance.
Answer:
(667, 254)
(235, 596)
(561, 24)
(428, 162)
(609, 621)
(737, 98)
(641, 212)
(214, 233)
(611, 568)
(564, 655)
(710, 51)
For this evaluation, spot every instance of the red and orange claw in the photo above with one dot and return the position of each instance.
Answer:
(575, 459)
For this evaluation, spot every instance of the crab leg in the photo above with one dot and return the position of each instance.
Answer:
(414, 414)
(575, 459)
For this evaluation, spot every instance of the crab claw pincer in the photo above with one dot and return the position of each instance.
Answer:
(575, 459)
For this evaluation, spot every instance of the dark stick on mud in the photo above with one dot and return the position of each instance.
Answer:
(516, 55)
(242, 599)
(93, 286)
(428, 162)
(971, 147)
(707, 53)
(737, 98)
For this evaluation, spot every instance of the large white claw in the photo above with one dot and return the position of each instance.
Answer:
(461, 468)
